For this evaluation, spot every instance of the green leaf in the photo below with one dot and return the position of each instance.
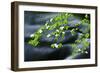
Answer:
(87, 35)
(73, 32)
(60, 45)
(78, 41)
(77, 24)
(52, 45)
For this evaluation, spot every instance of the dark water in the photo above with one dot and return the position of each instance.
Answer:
(32, 22)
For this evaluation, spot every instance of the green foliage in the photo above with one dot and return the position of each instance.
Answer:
(73, 32)
(59, 26)
(56, 45)
(87, 35)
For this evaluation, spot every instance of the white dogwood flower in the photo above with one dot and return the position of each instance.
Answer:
(63, 32)
(51, 19)
(32, 35)
(46, 24)
(79, 50)
(40, 31)
(86, 52)
(48, 35)
(61, 28)
(47, 27)
(56, 45)
(57, 30)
